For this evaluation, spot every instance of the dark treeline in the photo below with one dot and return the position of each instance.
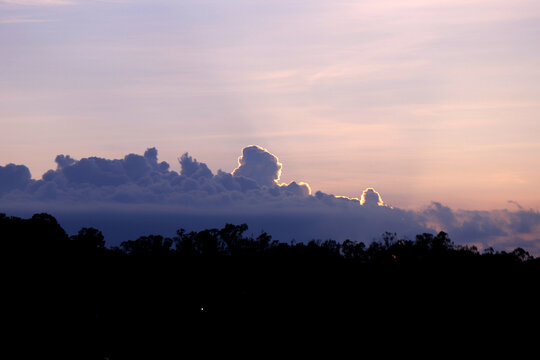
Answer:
(221, 290)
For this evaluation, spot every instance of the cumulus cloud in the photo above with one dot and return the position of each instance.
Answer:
(143, 179)
(297, 188)
(371, 198)
(13, 177)
(260, 165)
(194, 169)
(138, 195)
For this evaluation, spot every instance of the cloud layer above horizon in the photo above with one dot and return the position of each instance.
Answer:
(139, 194)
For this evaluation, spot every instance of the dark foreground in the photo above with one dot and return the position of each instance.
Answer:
(222, 293)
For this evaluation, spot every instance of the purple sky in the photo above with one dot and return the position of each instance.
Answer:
(423, 100)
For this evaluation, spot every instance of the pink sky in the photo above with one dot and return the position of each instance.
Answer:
(423, 100)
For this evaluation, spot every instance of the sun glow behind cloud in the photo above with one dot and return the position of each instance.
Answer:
(370, 197)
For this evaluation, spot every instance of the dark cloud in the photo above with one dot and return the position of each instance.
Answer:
(139, 195)
(63, 161)
(260, 165)
(13, 177)
(440, 214)
(516, 204)
(371, 198)
(301, 189)
(494, 228)
(524, 222)
(103, 172)
(143, 179)
(194, 169)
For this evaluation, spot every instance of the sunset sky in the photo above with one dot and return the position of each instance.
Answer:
(423, 100)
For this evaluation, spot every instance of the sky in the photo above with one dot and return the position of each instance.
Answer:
(428, 102)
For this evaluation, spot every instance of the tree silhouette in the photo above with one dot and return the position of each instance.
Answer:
(152, 245)
(232, 236)
(89, 241)
(160, 297)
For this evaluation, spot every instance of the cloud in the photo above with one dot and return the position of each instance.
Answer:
(143, 179)
(300, 188)
(103, 172)
(38, 2)
(139, 195)
(194, 169)
(516, 204)
(371, 198)
(437, 213)
(494, 228)
(20, 20)
(260, 165)
(13, 177)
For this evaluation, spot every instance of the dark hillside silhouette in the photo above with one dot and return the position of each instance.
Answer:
(219, 290)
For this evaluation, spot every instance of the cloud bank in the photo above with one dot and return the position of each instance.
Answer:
(139, 195)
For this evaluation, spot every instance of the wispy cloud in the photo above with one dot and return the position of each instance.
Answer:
(23, 20)
(445, 11)
(38, 2)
